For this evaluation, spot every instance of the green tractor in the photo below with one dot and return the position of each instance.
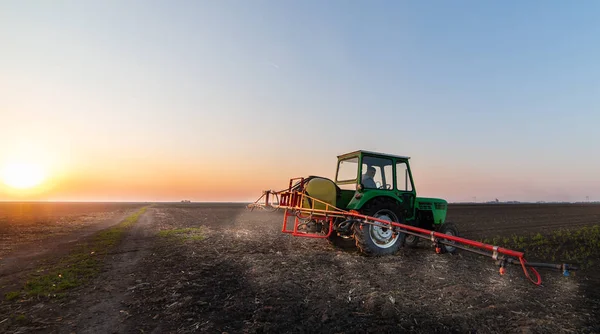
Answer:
(381, 186)
(373, 205)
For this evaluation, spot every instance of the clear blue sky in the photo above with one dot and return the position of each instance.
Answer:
(490, 99)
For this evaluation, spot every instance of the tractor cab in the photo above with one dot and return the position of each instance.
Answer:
(363, 175)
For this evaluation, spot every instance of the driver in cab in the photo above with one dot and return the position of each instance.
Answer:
(367, 178)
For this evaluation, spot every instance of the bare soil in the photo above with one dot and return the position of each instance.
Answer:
(27, 225)
(33, 234)
(104, 311)
(488, 220)
(244, 275)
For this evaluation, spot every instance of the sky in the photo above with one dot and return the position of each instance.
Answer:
(219, 100)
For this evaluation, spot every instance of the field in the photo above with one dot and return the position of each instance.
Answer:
(179, 268)
(29, 223)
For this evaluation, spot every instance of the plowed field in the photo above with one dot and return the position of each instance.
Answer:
(219, 268)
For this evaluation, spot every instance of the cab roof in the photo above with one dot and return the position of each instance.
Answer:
(373, 153)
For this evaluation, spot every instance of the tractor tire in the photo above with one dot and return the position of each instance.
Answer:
(341, 242)
(377, 241)
(411, 241)
(450, 229)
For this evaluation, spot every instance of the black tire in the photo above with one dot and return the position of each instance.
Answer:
(340, 242)
(411, 241)
(449, 228)
(364, 234)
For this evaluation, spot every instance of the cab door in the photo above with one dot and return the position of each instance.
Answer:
(404, 189)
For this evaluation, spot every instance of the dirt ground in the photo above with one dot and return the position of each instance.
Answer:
(244, 275)
(30, 223)
(482, 220)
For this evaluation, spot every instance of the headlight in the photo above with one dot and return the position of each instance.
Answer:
(359, 187)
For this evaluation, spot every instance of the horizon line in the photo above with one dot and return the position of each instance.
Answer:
(248, 202)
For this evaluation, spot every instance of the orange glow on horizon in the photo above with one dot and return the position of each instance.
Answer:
(138, 178)
(146, 181)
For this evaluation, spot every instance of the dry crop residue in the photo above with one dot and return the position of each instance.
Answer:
(220, 268)
(245, 275)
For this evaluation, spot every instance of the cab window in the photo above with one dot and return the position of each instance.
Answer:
(383, 178)
(347, 170)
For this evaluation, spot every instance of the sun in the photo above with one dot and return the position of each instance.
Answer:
(23, 175)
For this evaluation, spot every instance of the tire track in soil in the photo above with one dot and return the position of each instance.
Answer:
(102, 308)
(30, 256)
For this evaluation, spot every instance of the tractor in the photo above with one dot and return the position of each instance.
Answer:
(372, 205)
(376, 185)
(382, 186)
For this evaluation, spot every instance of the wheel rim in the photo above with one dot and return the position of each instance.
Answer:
(381, 236)
(450, 248)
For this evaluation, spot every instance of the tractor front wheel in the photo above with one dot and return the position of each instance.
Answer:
(375, 240)
(411, 241)
(341, 242)
(450, 229)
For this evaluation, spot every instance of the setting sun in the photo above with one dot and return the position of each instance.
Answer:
(22, 175)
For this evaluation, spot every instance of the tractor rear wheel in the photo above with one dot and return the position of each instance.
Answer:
(450, 229)
(374, 240)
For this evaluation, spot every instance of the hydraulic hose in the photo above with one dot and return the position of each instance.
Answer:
(539, 278)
